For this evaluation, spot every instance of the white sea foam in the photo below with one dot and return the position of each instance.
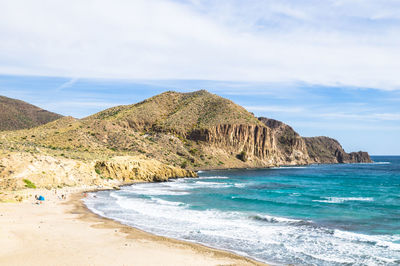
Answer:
(343, 199)
(166, 202)
(382, 241)
(213, 177)
(209, 184)
(151, 189)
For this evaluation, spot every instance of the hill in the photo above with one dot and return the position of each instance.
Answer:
(196, 130)
(16, 114)
(179, 112)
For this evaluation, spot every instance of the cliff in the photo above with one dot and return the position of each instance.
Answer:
(20, 170)
(16, 114)
(290, 146)
(328, 150)
(127, 169)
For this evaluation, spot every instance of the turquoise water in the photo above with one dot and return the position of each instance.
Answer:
(346, 214)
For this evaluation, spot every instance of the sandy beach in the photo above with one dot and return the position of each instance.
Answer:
(65, 232)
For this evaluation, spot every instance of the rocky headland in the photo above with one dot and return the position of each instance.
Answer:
(166, 136)
(328, 150)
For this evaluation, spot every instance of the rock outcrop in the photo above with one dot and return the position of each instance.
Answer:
(129, 169)
(20, 170)
(328, 150)
(255, 140)
(289, 145)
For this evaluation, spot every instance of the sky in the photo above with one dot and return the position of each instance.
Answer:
(324, 67)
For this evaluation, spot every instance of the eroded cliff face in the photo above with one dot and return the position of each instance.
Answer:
(255, 140)
(45, 171)
(127, 169)
(262, 145)
(272, 143)
(328, 150)
(290, 146)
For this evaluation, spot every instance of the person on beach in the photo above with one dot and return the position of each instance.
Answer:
(40, 199)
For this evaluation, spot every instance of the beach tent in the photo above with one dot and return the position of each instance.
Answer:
(41, 198)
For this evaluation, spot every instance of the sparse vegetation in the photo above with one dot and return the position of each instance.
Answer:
(184, 164)
(193, 151)
(29, 184)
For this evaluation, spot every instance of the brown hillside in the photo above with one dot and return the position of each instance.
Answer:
(16, 114)
(179, 112)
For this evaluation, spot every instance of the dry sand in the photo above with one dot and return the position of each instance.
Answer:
(64, 232)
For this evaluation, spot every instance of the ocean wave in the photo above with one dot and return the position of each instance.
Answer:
(289, 167)
(156, 190)
(213, 177)
(240, 185)
(273, 219)
(343, 199)
(207, 183)
(166, 202)
(377, 240)
(203, 184)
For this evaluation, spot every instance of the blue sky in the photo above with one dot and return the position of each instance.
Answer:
(324, 67)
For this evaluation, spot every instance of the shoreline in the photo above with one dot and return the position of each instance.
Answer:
(68, 232)
(88, 215)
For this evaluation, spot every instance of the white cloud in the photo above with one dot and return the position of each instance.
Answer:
(352, 43)
(351, 112)
(275, 109)
(367, 117)
(67, 84)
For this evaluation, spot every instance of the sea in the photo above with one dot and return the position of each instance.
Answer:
(342, 214)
